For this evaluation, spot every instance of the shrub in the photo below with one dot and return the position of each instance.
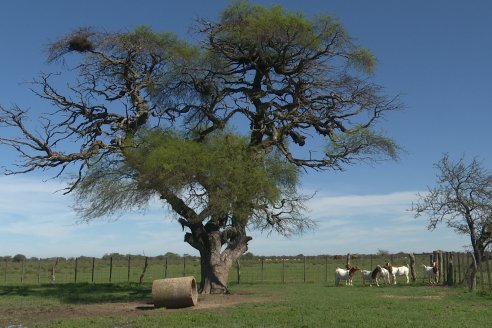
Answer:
(19, 258)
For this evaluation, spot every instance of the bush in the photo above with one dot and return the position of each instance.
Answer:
(248, 256)
(383, 252)
(19, 258)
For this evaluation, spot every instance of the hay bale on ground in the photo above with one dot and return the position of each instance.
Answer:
(174, 292)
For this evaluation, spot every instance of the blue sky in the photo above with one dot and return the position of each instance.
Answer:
(434, 54)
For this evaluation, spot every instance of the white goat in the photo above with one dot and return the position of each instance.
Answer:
(371, 275)
(397, 271)
(347, 275)
(431, 272)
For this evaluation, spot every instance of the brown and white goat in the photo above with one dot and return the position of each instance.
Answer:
(385, 275)
(397, 271)
(431, 272)
(371, 275)
(347, 275)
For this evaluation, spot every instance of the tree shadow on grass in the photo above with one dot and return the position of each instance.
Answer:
(83, 293)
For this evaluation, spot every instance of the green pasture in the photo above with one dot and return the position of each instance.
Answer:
(280, 305)
(310, 269)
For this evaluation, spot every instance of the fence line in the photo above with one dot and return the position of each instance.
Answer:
(300, 269)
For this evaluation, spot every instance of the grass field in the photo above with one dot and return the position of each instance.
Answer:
(312, 269)
(250, 305)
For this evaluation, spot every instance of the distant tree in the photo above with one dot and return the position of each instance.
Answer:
(146, 106)
(172, 256)
(19, 258)
(462, 199)
(115, 256)
(382, 252)
(84, 258)
(248, 256)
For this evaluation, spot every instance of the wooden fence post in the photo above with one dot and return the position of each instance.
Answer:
(440, 265)
(22, 272)
(455, 275)
(93, 266)
(53, 271)
(110, 268)
(129, 266)
(412, 266)
(304, 268)
(238, 271)
(326, 268)
(444, 265)
(39, 271)
(459, 268)
(144, 270)
(76, 263)
(6, 267)
(450, 281)
(488, 273)
(262, 261)
(283, 271)
(184, 266)
(165, 268)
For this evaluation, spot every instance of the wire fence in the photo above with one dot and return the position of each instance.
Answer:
(252, 270)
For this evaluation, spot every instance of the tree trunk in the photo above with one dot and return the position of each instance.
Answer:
(215, 261)
(471, 275)
(215, 267)
(214, 275)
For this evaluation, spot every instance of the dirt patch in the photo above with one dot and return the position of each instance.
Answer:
(39, 314)
(402, 297)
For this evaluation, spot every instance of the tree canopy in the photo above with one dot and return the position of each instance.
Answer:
(215, 178)
(293, 78)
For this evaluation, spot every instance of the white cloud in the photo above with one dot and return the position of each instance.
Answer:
(362, 224)
(37, 221)
(323, 206)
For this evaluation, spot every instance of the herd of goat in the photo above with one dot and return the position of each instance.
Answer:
(387, 272)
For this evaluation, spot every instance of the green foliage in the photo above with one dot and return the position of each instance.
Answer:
(114, 256)
(19, 258)
(233, 176)
(255, 24)
(146, 40)
(248, 256)
(361, 142)
(109, 189)
(275, 35)
(221, 173)
(363, 59)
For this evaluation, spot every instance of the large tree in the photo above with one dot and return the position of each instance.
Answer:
(462, 199)
(297, 90)
(217, 187)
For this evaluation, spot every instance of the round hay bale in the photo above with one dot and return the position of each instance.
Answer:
(174, 292)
